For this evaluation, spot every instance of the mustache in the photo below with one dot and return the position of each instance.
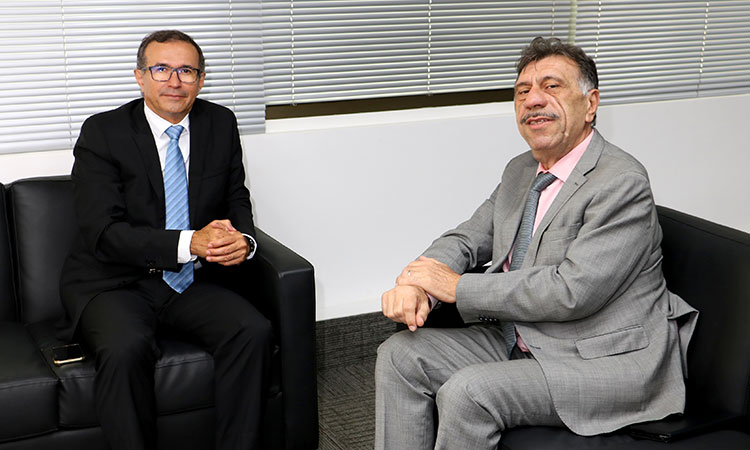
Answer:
(534, 115)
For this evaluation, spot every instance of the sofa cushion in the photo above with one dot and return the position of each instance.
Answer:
(552, 438)
(43, 225)
(548, 438)
(183, 379)
(28, 389)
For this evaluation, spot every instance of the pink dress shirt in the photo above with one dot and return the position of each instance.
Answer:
(561, 170)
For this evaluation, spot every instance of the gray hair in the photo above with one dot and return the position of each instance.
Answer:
(541, 48)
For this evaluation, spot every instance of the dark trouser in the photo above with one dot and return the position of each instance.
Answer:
(119, 327)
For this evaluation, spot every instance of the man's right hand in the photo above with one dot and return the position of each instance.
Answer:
(406, 304)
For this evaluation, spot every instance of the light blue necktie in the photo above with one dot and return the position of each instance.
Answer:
(176, 200)
(523, 239)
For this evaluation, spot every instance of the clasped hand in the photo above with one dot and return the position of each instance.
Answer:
(408, 302)
(219, 242)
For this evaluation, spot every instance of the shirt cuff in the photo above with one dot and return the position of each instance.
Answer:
(183, 247)
(433, 301)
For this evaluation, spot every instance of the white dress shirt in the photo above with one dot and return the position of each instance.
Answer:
(159, 127)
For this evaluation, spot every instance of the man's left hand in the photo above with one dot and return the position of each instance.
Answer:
(222, 243)
(434, 277)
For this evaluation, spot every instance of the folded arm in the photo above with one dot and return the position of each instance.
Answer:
(576, 275)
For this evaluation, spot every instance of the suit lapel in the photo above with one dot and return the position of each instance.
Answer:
(577, 178)
(509, 218)
(144, 141)
(200, 131)
(513, 221)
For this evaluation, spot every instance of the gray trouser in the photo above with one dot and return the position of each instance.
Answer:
(477, 389)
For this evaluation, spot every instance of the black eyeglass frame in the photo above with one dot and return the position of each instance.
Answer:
(150, 69)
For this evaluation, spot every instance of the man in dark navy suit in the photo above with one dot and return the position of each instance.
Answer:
(162, 207)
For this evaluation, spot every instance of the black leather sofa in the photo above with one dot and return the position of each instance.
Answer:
(708, 265)
(43, 406)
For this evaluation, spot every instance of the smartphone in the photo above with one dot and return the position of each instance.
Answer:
(66, 354)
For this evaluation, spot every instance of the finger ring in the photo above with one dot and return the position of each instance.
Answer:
(408, 273)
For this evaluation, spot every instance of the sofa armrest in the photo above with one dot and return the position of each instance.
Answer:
(286, 281)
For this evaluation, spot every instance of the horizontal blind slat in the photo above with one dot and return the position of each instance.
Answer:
(68, 59)
(327, 51)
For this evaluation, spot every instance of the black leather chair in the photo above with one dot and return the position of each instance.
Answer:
(708, 265)
(43, 406)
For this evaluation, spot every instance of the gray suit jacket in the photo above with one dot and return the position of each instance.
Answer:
(590, 300)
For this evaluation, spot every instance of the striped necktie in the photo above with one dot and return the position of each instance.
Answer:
(176, 201)
(521, 244)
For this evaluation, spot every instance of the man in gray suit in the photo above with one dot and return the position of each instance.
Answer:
(571, 323)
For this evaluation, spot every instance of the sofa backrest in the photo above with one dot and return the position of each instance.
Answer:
(708, 265)
(7, 297)
(43, 226)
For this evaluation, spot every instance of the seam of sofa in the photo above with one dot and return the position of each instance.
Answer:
(185, 361)
(30, 435)
(24, 383)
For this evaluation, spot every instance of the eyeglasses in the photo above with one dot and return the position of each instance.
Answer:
(162, 73)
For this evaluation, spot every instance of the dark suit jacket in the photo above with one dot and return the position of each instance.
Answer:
(119, 197)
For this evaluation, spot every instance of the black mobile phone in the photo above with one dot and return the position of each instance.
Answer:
(65, 354)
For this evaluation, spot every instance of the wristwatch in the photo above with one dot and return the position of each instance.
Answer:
(250, 245)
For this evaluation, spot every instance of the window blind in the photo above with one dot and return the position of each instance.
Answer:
(348, 49)
(65, 60)
(725, 62)
(475, 45)
(645, 50)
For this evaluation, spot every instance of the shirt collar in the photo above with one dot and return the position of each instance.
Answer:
(563, 168)
(159, 124)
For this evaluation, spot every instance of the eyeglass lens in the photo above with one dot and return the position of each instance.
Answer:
(164, 73)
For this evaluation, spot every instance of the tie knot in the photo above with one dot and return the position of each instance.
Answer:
(543, 180)
(174, 131)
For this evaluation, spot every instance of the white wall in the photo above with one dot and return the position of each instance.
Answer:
(359, 196)
(697, 153)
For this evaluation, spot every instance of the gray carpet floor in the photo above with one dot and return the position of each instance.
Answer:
(346, 405)
(346, 350)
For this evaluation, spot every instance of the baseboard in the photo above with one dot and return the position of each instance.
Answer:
(351, 339)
